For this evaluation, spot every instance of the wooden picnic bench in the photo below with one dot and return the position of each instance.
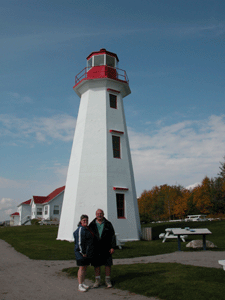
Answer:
(169, 235)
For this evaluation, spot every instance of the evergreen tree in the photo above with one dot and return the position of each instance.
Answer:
(222, 169)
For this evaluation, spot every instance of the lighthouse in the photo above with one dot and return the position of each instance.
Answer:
(100, 173)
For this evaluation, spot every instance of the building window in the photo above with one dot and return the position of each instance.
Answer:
(116, 146)
(120, 206)
(113, 101)
(56, 210)
(46, 210)
(39, 211)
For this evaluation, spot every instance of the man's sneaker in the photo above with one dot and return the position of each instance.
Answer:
(108, 283)
(97, 283)
(81, 288)
(85, 286)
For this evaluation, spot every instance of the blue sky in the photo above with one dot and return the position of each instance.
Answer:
(173, 53)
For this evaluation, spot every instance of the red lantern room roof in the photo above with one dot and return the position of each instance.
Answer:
(103, 51)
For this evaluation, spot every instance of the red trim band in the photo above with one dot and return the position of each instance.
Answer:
(116, 131)
(114, 91)
(120, 188)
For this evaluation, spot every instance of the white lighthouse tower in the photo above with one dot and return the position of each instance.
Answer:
(100, 173)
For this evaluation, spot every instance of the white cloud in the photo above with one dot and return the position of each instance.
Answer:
(192, 186)
(7, 207)
(19, 98)
(182, 153)
(9, 183)
(42, 129)
(209, 30)
(5, 203)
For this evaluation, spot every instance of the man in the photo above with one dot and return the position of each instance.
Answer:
(104, 245)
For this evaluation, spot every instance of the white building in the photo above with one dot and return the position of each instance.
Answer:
(14, 219)
(49, 207)
(39, 207)
(24, 210)
(100, 173)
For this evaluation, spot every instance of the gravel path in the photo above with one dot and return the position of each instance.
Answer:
(22, 278)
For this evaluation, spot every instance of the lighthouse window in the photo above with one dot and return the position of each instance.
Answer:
(90, 63)
(110, 61)
(116, 146)
(98, 60)
(120, 206)
(113, 101)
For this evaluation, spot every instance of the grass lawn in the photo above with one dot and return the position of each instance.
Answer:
(169, 281)
(163, 280)
(39, 242)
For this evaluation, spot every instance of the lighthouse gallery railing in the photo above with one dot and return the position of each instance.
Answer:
(120, 74)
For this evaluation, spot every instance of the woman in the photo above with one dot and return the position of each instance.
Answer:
(83, 239)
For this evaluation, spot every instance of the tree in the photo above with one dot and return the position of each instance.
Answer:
(202, 196)
(181, 204)
(222, 170)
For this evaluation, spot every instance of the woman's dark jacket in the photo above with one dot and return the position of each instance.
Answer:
(107, 241)
(83, 240)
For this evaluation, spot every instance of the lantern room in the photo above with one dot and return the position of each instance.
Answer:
(101, 64)
(101, 58)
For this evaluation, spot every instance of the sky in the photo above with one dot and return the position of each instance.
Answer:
(173, 53)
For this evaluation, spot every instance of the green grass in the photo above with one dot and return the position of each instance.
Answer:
(39, 242)
(162, 280)
(166, 280)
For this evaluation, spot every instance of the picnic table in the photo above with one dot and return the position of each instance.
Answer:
(222, 262)
(169, 235)
(191, 231)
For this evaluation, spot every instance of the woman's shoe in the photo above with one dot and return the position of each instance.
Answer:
(81, 288)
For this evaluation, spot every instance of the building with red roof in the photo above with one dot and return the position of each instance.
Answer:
(14, 219)
(39, 207)
(24, 210)
(48, 207)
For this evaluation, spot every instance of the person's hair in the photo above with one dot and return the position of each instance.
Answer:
(81, 218)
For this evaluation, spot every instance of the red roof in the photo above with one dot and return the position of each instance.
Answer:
(39, 199)
(103, 51)
(46, 199)
(15, 214)
(55, 193)
(26, 202)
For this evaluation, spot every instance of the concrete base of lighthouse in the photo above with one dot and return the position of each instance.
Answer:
(94, 175)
